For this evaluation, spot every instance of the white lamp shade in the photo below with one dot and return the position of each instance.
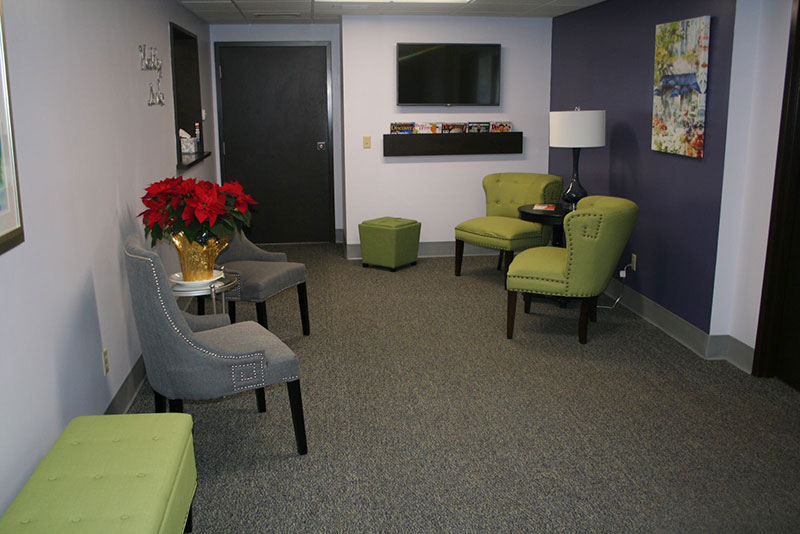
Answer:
(577, 129)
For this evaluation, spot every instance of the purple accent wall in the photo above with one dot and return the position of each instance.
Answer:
(603, 59)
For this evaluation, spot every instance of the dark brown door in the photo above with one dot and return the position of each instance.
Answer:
(275, 137)
(777, 351)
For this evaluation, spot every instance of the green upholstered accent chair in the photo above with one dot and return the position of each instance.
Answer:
(596, 234)
(501, 228)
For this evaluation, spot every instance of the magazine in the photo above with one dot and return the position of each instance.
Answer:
(500, 126)
(454, 127)
(478, 127)
(546, 207)
(402, 128)
(427, 127)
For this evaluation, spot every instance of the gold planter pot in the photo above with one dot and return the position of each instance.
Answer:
(197, 261)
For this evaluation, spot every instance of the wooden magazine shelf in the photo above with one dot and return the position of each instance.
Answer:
(452, 144)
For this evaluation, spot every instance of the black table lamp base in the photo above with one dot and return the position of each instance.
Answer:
(574, 191)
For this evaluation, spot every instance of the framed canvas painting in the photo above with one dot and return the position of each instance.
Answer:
(680, 81)
(11, 233)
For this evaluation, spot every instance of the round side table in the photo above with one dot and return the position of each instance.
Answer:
(554, 218)
(217, 287)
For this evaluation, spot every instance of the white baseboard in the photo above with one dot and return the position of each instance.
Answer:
(432, 249)
(717, 347)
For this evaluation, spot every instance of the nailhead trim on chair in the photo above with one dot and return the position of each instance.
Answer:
(495, 237)
(586, 234)
(242, 378)
(574, 215)
(582, 295)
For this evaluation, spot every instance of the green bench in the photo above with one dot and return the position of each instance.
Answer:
(111, 474)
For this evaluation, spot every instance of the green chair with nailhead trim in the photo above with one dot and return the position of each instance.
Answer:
(596, 234)
(501, 228)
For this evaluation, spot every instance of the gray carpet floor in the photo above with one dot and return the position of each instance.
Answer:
(422, 417)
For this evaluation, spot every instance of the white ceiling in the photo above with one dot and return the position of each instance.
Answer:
(307, 11)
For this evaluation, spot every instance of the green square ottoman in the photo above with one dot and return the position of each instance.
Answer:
(111, 473)
(389, 242)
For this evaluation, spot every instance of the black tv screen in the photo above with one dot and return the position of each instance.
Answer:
(448, 74)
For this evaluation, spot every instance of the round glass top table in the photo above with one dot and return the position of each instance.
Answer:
(216, 288)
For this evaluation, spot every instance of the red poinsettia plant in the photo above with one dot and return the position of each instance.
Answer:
(200, 209)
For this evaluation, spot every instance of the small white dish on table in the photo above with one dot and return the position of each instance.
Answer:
(218, 284)
(177, 278)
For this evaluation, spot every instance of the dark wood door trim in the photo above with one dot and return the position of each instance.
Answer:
(329, 85)
(780, 271)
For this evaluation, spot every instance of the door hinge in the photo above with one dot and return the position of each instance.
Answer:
(223, 149)
(219, 71)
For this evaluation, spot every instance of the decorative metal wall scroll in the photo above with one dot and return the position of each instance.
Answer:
(152, 62)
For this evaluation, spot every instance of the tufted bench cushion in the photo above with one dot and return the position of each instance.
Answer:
(389, 241)
(111, 473)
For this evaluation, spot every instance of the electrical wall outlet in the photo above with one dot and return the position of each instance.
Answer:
(633, 262)
(105, 362)
(366, 142)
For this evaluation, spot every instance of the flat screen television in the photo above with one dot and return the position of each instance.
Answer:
(448, 74)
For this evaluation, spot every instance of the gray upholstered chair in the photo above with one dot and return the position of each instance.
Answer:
(204, 357)
(261, 275)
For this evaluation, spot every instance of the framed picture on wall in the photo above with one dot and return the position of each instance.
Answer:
(680, 80)
(11, 233)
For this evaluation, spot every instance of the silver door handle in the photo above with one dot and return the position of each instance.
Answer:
(320, 146)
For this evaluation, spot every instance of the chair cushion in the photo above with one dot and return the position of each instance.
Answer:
(539, 270)
(111, 473)
(260, 280)
(504, 233)
(249, 336)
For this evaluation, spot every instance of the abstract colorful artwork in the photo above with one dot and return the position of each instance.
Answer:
(680, 80)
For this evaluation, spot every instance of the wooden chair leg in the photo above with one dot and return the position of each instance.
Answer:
(261, 314)
(508, 257)
(261, 400)
(176, 405)
(302, 297)
(232, 311)
(511, 312)
(296, 404)
(161, 403)
(527, 297)
(500, 261)
(583, 321)
(593, 310)
(459, 255)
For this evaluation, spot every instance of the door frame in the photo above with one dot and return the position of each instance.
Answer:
(329, 109)
(771, 328)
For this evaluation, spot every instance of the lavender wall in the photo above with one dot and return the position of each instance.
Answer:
(603, 59)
